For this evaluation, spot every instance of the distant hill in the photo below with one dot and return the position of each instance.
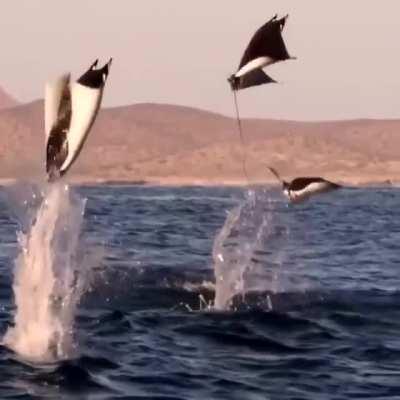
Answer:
(6, 101)
(174, 144)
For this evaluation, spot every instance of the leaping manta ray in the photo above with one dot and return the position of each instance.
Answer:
(300, 189)
(70, 111)
(265, 48)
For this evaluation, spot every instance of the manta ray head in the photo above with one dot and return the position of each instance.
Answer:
(234, 82)
(286, 189)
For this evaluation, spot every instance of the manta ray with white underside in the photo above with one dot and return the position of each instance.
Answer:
(300, 189)
(70, 111)
(266, 47)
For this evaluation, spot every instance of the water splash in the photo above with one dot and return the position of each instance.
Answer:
(48, 280)
(247, 251)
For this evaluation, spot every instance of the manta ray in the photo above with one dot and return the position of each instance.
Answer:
(70, 111)
(300, 189)
(266, 47)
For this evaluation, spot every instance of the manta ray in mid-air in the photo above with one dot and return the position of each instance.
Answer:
(70, 111)
(265, 48)
(300, 189)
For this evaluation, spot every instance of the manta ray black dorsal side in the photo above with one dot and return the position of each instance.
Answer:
(267, 42)
(265, 48)
(95, 78)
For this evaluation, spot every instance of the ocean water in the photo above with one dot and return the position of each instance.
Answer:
(308, 307)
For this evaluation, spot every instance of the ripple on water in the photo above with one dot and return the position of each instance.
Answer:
(329, 330)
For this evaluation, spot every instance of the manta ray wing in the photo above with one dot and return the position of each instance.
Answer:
(302, 188)
(57, 121)
(254, 78)
(70, 111)
(85, 102)
(86, 96)
(267, 42)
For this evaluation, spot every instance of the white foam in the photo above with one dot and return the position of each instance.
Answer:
(248, 229)
(48, 281)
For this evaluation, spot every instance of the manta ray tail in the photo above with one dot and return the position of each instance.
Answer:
(275, 173)
(242, 141)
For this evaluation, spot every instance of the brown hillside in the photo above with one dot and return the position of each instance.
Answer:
(173, 144)
(6, 101)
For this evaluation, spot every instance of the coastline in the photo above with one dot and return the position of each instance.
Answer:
(167, 145)
(193, 182)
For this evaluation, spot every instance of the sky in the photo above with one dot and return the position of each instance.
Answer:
(182, 51)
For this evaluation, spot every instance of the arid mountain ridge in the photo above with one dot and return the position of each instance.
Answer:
(6, 101)
(169, 144)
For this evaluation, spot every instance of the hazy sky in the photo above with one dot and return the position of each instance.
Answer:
(182, 51)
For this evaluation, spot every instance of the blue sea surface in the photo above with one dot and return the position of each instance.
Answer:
(329, 331)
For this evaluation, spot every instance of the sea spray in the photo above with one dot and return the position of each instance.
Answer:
(48, 278)
(247, 251)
